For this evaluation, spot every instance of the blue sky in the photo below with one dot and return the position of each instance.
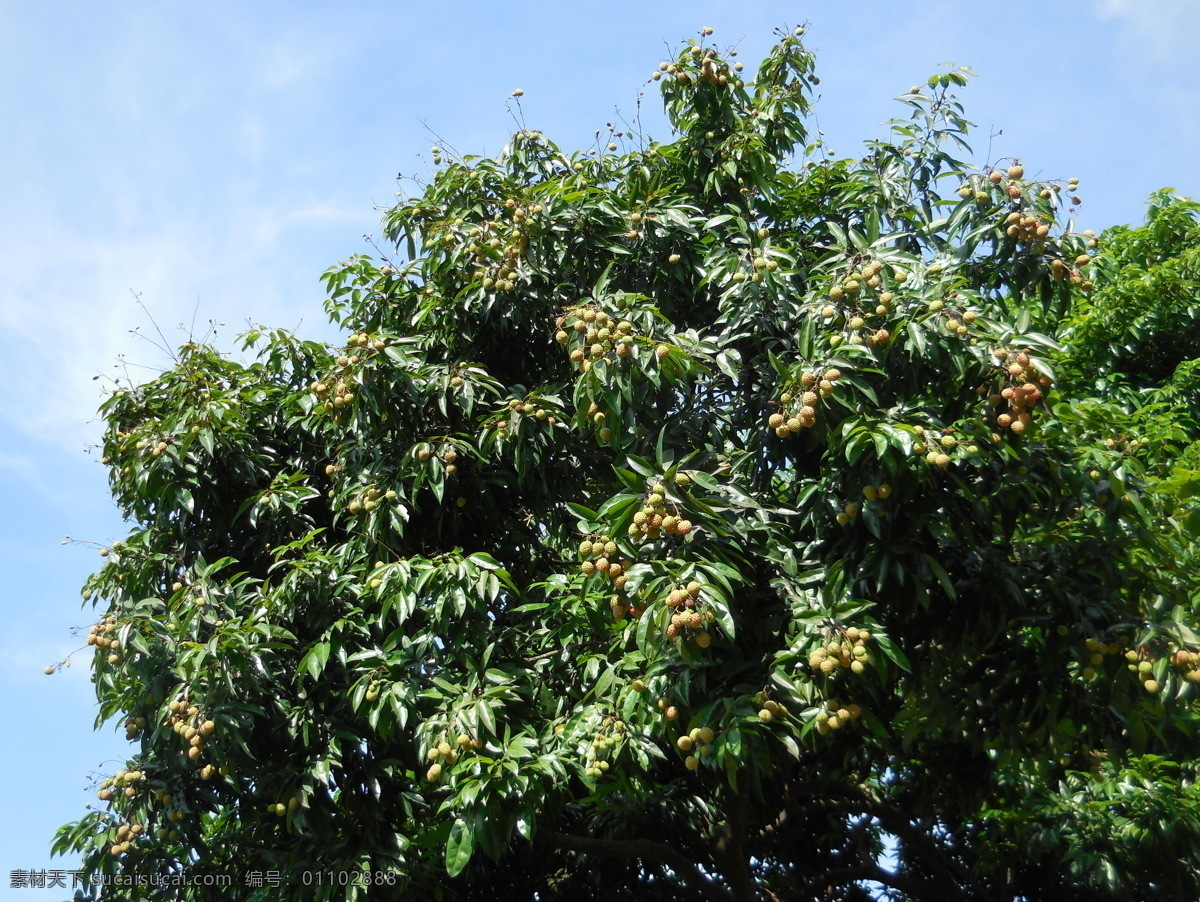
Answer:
(216, 158)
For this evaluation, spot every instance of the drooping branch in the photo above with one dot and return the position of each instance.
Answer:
(950, 873)
(871, 873)
(645, 850)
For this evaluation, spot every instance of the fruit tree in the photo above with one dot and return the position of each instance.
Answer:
(697, 519)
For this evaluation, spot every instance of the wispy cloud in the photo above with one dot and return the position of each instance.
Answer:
(65, 321)
(1159, 25)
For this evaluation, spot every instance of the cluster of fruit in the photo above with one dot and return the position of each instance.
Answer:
(446, 453)
(856, 291)
(279, 809)
(336, 391)
(343, 393)
(1097, 652)
(1143, 667)
(610, 735)
(498, 259)
(369, 498)
(833, 715)
(598, 335)
(700, 64)
(796, 413)
(846, 649)
(699, 740)
(133, 727)
(933, 447)
(1020, 392)
(445, 754)
(1015, 173)
(598, 419)
(1060, 270)
(654, 519)
(101, 636)
(1188, 663)
(173, 816)
(956, 321)
(124, 782)
(670, 712)
(870, 493)
(185, 722)
(1028, 228)
(372, 693)
(768, 710)
(127, 835)
(877, 492)
(760, 264)
(156, 449)
(689, 614)
(362, 342)
(621, 608)
(599, 556)
(529, 408)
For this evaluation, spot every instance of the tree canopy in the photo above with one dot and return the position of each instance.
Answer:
(713, 518)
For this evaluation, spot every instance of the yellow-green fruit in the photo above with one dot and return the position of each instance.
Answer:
(685, 743)
(765, 716)
(434, 773)
(691, 762)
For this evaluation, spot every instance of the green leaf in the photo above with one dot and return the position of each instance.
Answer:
(459, 847)
(315, 659)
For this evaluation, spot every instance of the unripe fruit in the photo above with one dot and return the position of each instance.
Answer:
(765, 716)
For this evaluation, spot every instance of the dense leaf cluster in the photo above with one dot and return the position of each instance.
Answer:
(694, 519)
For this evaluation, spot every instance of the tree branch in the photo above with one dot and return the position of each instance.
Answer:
(872, 873)
(857, 800)
(731, 847)
(645, 850)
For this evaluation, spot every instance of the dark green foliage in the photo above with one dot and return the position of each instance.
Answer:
(905, 581)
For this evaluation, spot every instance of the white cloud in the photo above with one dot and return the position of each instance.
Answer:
(1159, 26)
(291, 59)
(66, 318)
